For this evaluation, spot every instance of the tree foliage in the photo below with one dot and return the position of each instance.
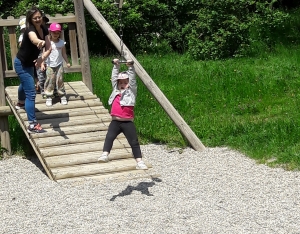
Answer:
(203, 29)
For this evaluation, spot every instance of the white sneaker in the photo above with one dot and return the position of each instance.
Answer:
(64, 100)
(103, 158)
(141, 166)
(49, 102)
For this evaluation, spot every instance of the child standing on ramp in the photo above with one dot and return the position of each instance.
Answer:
(54, 69)
(122, 100)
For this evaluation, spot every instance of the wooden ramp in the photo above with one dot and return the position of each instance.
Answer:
(74, 138)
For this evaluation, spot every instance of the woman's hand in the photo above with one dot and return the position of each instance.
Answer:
(41, 44)
(43, 67)
(38, 62)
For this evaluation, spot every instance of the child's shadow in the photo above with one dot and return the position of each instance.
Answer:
(142, 187)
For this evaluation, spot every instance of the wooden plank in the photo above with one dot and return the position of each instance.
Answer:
(40, 100)
(73, 69)
(70, 139)
(73, 121)
(71, 105)
(5, 111)
(79, 138)
(66, 113)
(77, 148)
(68, 84)
(70, 130)
(75, 86)
(71, 95)
(95, 168)
(115, 176)
(84, 158)
(10, 74)
(58, 108)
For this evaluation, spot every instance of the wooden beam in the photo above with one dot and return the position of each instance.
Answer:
(149, 83)
(73, 44)
(4, 129)
(69, 18)
(83, 45)
(5, 111)
(13, 44)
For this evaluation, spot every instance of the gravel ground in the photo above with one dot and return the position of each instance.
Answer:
(214, 191)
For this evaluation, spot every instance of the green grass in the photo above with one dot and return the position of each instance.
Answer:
(247, 104)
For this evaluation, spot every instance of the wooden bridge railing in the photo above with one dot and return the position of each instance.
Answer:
(12, 26)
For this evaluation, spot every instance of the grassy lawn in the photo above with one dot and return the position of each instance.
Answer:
(248, 104)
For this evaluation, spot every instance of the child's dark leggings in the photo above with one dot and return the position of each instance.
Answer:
(129, 130)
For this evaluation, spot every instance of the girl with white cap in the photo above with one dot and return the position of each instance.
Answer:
(122, 100)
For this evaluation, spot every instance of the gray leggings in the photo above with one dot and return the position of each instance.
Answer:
(129, 130)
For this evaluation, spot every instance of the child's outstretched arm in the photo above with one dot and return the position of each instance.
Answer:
(64, 54)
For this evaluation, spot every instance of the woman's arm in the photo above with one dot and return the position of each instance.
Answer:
(35, 40)
(46, 52)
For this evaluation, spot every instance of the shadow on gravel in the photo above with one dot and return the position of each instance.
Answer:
(142, 187)
(35, 160)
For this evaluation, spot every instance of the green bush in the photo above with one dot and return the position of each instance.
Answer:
(203, 29)
(222, 29)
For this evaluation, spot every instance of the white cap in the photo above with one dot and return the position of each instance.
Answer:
(22, 23)
(123, 75)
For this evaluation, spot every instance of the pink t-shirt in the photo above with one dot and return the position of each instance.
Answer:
(125, 112)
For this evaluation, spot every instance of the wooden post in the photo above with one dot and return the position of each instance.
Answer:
(83, 45)
(149, 83)
(4, 130)
(73, 43)
(12, 41)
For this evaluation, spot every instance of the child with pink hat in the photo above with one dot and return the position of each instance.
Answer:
(54, 83)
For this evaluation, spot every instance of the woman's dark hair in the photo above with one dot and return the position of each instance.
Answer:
(30, 13)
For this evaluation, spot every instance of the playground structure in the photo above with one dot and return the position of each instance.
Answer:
(83, 97)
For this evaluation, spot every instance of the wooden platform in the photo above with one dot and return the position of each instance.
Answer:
(74, 138)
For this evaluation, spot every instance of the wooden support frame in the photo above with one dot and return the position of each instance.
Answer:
(4, 129)
(84, 65)
(83, 45)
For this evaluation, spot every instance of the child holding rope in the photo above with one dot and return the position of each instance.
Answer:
(122, 100)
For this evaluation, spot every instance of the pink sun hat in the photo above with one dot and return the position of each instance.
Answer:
(54, 27)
